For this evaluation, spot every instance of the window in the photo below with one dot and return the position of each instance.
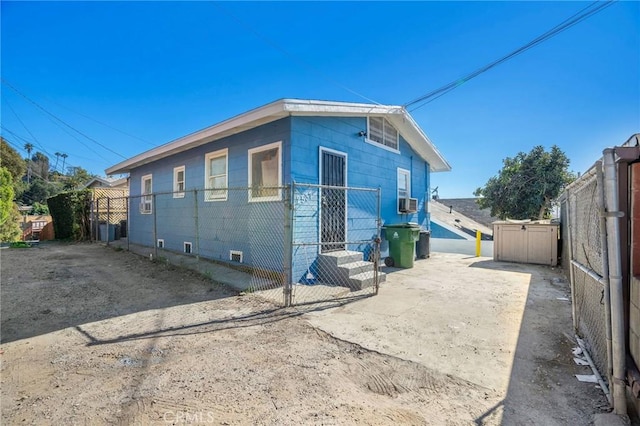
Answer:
(160, 243)
(265, 172)
(187, 247)
(216, 174)
(146, 204)
(381, 132)
(404, 184)
(178, 182)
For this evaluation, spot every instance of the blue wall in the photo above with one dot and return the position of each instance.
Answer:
(254, 228)
(368, 166)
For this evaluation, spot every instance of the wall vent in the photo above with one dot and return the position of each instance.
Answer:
(235, 256)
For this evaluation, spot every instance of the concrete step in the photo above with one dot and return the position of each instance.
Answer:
(348, 270)
(340, 257)
(365, 279)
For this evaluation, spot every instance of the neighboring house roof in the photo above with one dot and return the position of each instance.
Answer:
(104, 182)
(456, 222)
(469, 207)
(397, 115)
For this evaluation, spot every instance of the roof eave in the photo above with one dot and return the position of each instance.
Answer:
(418, 140)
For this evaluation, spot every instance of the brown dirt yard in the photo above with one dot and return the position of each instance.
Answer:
(92, 335)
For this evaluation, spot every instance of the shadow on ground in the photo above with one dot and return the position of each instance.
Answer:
(60, 285)
(545, 340)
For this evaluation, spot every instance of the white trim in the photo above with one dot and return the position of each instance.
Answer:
(160, 243)
(407, 173)
(397, 116)
(379, 145)
(184, 247)
(256, 150)
(177, 193)
(237, 253)
(146, 198)
(208, 196)
(346, 200)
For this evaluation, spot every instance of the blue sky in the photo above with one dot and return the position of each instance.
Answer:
(159, 70)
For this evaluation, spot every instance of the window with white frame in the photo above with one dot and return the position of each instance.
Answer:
(265, 172)
(404, 184)
(380, 131)
(216, 175)
(178, 182)
(146, 202)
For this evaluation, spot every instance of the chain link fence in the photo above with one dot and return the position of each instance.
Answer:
(335, 242)
(297, 244)
(582, 208)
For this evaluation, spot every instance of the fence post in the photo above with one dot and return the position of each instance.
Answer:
(615, 281)
(108, 218)
(197, 223)
(605, 267)
(97, 222)
(376, 253)
(155, 230)
(572, 280)
(128, 209)
(287, 286)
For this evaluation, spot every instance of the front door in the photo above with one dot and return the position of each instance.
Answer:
(333, 166)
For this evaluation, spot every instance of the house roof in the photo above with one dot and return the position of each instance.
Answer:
(108, 182)
(397, 115)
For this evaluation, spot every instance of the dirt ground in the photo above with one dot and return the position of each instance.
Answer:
(91, 335)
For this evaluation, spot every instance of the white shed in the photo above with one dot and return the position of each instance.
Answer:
(525, 241)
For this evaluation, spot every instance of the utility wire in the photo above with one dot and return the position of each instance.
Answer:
(107, 162)
(26, 141)
(574, 19)
(104, 124)
(23, 125)
(289, 55)
(59, 119)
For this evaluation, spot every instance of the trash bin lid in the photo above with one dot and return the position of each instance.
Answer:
(403, 225)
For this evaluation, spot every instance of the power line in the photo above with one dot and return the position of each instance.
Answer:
(26, 141)
(59, 119)
(103, 124)
(292, 57)
(574, 19)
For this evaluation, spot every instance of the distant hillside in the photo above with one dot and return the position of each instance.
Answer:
(469, 208)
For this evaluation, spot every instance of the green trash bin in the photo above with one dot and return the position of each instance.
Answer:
(402, 239)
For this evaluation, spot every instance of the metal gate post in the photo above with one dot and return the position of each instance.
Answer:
(127, 201)
(376, 254)
(605, 267)
(108, 218)
(287, 286)
(197, 223)
(155, 226)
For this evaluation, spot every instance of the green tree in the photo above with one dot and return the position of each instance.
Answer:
(40, 165)
(77, 176)
(12, 161)
(9, 214)
(38, 191)
(28, 147)
(527, 184)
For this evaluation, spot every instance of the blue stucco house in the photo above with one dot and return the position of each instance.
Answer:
(266, 149)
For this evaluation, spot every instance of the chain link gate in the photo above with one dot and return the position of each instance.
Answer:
(335, 243)
(583, 210)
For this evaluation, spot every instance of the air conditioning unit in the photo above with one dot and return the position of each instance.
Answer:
(408, 205)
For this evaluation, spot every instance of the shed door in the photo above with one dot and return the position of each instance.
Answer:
(332, 220)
